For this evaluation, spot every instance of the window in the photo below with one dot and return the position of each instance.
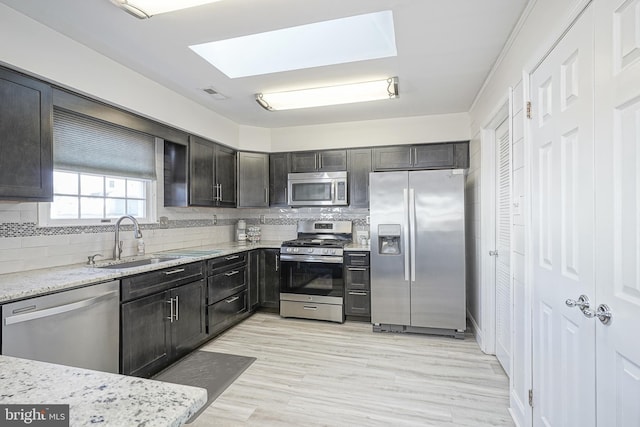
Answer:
(84, 196)
(101, 172)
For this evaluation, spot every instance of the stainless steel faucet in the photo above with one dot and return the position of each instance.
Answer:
(117, 248)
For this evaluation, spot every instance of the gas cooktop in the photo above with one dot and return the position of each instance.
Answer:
(309, 242)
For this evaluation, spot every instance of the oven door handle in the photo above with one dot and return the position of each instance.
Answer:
(311, 258)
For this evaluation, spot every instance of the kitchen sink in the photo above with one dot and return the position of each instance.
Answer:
(137, 263)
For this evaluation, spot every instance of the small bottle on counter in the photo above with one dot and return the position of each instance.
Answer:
(140, 247)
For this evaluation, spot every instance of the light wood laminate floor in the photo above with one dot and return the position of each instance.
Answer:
(311, 373)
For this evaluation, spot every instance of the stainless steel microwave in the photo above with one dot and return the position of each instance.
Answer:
(317, 189)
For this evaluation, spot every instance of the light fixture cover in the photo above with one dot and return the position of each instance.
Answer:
(331, 95)
(147, 8)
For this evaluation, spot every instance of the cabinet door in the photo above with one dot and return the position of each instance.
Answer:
(226, 176)
(356, 278)
(278, 171)
(188, 330)
(253, 280)
(175, 174)
(146, 335)
(305, 161)
(392, 158)
(26, 162)
(253, 180)
(226, 283)
(270, 278)
(357, 303)
(201, 172)
(359, 169)
(225, 313)
(332, 160)
(433, 156)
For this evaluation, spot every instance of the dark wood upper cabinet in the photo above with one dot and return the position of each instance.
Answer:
(423, 156)
(26, 138)
(278, 170)
(358, 178)
(225, 176)
(253, 180)
(212, 174)
(319, 161)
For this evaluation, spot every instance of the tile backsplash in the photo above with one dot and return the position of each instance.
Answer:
(24, 245)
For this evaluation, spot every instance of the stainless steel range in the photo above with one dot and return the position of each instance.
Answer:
(311, 277)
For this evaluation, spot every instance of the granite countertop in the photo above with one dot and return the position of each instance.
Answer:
(26, 284)
(98, 398)
(357, 247)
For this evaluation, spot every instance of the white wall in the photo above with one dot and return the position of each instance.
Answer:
(541, 25)
(406, 130)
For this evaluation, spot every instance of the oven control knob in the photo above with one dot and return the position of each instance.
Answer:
(325, 251)
(295, 249)
(333, 251)
(288, 249)
(310, 250)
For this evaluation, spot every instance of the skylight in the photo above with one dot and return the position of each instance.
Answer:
(339, 41)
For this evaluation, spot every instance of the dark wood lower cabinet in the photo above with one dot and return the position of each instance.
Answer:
(189, 329)
(270, 279)
(145, 335)
(167, 313)
(357, 279)
(151, 339)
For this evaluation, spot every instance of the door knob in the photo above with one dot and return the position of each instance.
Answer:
(603, 313)
(582, 303)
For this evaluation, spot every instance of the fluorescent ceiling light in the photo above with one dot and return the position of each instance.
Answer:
(147, 8)
(332, 95)
(339, 41)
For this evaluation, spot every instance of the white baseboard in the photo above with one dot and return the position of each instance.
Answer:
(477, 332)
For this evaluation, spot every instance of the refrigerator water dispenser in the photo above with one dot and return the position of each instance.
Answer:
(389, 239)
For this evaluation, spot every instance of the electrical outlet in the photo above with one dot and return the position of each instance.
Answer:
(263, 220)
(164, 222)
(368, 219)
(215, 219)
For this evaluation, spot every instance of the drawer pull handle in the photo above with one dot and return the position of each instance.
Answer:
(310, 307)
(232, 299)
(229, 258)
(362, 255)
(232, 273)
(177, 270)
(356, 269)
(362, 294)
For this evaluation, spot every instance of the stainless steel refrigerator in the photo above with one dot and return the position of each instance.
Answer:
(418, 251)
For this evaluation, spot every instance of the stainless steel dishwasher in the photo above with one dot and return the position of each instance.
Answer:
(79, 327)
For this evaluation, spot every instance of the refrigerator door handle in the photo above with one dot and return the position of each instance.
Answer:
(405, 225)
(412, 227)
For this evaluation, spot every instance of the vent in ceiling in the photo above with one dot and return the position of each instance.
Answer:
(215, 94)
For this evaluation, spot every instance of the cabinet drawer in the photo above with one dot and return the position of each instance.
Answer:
(159, 280)
(357, 303)
(224, 261)
(356, 278)
(227, 283)
(356, 258)
(224, 313)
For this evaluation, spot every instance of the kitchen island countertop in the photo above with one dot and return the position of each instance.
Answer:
(98, 398)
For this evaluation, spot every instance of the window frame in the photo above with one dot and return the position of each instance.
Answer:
(151, 186)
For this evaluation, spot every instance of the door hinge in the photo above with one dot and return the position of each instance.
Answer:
(531, 398)
(528, 109)
(493, 253)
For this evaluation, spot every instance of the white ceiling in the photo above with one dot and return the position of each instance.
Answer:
(445, 51)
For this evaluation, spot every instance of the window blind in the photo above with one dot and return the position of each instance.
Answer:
(83, 144)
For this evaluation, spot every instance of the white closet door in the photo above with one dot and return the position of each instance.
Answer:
(618, 210)
(562, 214)
(503, 246)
